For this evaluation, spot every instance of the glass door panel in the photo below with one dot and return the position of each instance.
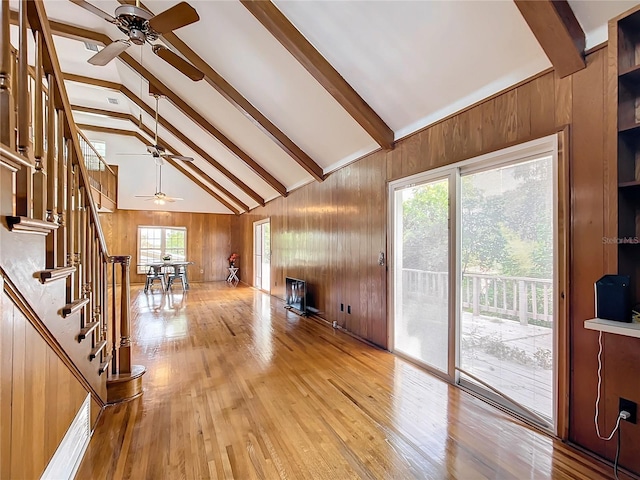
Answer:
(262, 255)
(266, 256)
(507, 327)
(421, 270)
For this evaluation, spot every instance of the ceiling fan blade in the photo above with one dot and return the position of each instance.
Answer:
(109, 52)
(178, 157)
(173, 18)
(178, 62)
(95, 10)
(150, 197)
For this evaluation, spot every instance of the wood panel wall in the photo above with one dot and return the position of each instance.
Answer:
(39, 397)
(208, 239)
(331, 233)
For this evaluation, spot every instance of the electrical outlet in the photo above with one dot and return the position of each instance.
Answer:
(629, 406)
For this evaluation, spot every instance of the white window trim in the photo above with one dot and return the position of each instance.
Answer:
(141, 269)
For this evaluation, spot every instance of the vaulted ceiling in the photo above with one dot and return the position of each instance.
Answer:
(266, 119)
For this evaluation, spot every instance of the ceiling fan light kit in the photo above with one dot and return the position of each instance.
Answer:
(141, 27)
(159, 198)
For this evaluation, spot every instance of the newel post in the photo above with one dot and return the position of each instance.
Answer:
(126, 383)
(124, 352)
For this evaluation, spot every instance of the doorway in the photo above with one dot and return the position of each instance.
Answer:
(474, 256)
(262, 255)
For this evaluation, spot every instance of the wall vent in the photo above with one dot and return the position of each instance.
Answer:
(113, 101)
(65, 462)
(92, 47)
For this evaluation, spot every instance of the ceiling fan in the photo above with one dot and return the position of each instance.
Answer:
(158, 151)
(159, 198)
(142, 26)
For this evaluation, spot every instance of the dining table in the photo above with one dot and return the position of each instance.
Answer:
(166, 267)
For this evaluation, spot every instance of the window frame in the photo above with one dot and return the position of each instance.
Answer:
(141, 269)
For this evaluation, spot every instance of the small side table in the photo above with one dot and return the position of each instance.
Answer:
(233, 275)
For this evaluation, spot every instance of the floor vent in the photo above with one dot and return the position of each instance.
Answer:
(65, 462)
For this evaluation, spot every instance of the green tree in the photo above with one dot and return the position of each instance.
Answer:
(425, 221)
(483, 242)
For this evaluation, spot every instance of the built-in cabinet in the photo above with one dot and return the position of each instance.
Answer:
(624, 56)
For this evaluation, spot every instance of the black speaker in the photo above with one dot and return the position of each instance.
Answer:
(612, 298)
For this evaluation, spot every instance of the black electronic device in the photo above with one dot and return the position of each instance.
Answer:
(296, 294)
(612, 298)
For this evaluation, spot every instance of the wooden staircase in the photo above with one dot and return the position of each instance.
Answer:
(54, 262)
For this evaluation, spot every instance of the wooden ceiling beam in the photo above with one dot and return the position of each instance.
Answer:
(99, 111)
(96, 82)
(171, 129)
(163, 143)
(558, 32)
(182, 166)
(286, 33)
(236, 99)
(142, 139)
(70, 31)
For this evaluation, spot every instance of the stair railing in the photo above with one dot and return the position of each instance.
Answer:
(40, 142)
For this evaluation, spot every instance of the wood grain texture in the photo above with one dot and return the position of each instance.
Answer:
(558, 32)
(44, 397)
(6, 377)
(331, 234)
(587, 248)
(265, 394)
(542, 106)
(208, 239)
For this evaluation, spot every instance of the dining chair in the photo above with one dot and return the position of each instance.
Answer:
(153, 274)
(179, 273)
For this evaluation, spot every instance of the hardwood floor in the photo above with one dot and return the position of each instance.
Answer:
(237, 387)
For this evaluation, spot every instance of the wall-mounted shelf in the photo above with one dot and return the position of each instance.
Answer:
(611, 326)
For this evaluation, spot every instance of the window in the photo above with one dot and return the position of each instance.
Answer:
(157, 242)
(92, 162)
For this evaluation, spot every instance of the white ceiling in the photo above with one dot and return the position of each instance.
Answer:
(413, 62)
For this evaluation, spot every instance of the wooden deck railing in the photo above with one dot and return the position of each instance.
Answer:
(521, 298)
(52, 184)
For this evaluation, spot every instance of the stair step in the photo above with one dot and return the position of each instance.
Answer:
(52, 274)
(73, 307)
(31, 225)
(86, 331)
(97, 349)
(104, 365)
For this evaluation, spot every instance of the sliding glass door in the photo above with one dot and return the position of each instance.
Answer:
(473, 275)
